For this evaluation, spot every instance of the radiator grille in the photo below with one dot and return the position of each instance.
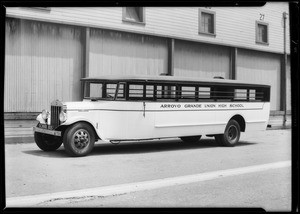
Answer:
(55, 111)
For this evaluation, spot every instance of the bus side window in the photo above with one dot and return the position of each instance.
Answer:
(136, 91)
(95, 90)
(149, 91)
(222, 93)
(188, 93)
(121, 91)
(241, 94)
(259, 95)
(166, 92)
(204, 93)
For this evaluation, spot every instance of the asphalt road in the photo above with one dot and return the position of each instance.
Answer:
(166, 173)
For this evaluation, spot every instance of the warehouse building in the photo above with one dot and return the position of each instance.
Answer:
(48, 49)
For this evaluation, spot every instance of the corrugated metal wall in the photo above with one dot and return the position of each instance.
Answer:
(43, 62)
(259, 67)
(201, 60)
(235, 26)
(123, 53)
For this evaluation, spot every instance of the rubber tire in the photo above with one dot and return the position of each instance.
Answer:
(218, 139)
(47, 142)
(224, 139)
(69, 142)
(191, 139)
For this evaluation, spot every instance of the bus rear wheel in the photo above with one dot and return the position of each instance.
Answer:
(231, 135)
(79, 139)
(191, 139)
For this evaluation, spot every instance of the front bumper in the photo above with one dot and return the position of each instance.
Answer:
(47, 131)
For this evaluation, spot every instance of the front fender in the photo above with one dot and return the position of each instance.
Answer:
(76, 119)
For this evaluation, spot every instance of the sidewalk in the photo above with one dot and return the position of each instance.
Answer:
(19, 131)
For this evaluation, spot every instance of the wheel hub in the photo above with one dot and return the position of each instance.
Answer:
(232, 133)
(81, 139)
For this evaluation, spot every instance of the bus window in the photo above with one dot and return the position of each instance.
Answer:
(136, 91)
(204, 93)
(166, 92)
(252, 94)
(222, 93)
(188, 93)
(121, 91)
(93, 90)
(240, 94)
(149, 91)
(110, 90)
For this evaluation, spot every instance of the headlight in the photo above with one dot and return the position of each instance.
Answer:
(62, 116)
(45, 114)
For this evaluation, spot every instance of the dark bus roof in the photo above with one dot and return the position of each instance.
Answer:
(170, 79)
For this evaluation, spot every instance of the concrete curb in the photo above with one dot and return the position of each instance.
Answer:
(17, 140)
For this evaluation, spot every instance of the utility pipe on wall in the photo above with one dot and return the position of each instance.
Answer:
(283, 81)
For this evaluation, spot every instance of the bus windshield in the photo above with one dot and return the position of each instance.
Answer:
(103, 91)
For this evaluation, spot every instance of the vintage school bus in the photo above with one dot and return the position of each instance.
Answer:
(130, 108)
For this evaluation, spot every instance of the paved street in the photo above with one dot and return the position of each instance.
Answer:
(167, 173)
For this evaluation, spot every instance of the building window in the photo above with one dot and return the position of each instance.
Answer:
(134, 14)
(207, 22)
(262, 33)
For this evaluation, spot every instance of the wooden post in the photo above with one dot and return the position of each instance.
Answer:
(86, 55)
(170, 63)
(171, 57)
(233, 60)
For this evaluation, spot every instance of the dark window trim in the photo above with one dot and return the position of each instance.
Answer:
(124, 19)
(256, 32)
(216, 93)
(200, 30)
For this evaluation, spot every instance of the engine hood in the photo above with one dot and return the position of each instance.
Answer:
(77, 105)
(85, 105)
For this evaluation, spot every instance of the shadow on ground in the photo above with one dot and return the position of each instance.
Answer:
(138, 147)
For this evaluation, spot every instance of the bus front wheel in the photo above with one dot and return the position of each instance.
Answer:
(79, 139)
(231, 135)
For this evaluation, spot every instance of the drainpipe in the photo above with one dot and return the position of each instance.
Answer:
(284, 69)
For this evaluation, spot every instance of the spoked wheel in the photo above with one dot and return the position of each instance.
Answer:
(79, 139)
(231, 135)
(191, 139)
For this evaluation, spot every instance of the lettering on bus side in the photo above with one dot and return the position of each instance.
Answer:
(210, 105)
(170, 106)
(192, 106)
(201, 106)
(236, 105)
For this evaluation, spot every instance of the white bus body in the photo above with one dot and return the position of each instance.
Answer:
(141, 108)
(123, 120)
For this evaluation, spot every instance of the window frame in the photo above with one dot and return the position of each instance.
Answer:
(175, 92)
(200, 29)
(257, 23)
(125, 19)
